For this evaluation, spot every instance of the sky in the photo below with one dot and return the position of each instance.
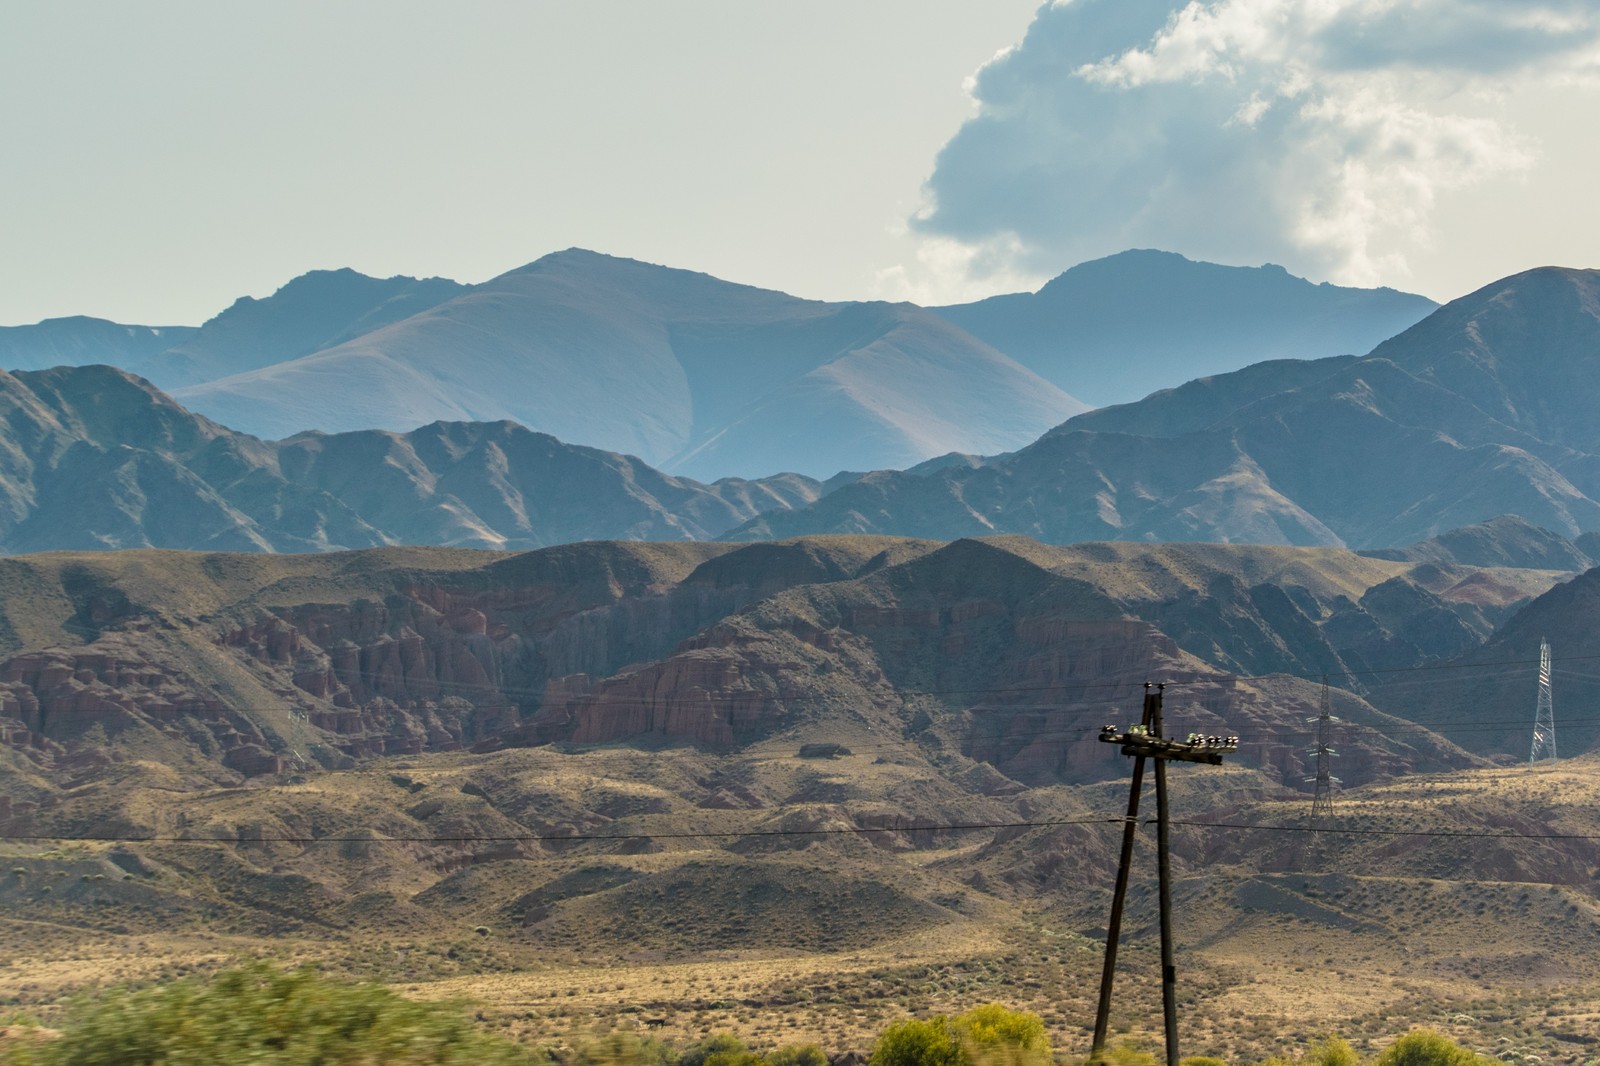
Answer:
(164, 158)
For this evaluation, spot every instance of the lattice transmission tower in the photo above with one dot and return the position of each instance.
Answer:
(1544, 715)
(1322, 798)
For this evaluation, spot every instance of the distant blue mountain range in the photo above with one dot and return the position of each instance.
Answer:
(709, 378)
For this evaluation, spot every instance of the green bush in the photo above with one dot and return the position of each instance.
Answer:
(266, 1016)
(995, 1036)
(1424, 1047)
(918, 1043)
(984, 1036)
(798, 1055)
(702, 1052)
(1202, 1060)
(1333, 1051)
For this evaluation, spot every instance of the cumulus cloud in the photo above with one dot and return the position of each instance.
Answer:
(1319, 134)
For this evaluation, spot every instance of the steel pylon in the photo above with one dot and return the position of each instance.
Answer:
(1322, 797)
(1544, 715)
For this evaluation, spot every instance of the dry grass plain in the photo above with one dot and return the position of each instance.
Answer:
(1367, 932)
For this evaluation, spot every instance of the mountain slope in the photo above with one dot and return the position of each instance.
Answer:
(1006, 651)
(1116, 329)
(1480, 410)
(310, 312)
(96, 458)
(1506, 540)
(1485, 699)
(81, 341)
(695, 374)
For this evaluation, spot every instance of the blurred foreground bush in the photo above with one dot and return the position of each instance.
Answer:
(261, 1015)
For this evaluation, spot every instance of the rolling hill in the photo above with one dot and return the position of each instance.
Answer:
(796, 789)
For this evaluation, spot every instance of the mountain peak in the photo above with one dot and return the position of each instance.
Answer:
(1116, 329)
(1525, 350)
(591, 268)
(338, 285)
(1148, 266)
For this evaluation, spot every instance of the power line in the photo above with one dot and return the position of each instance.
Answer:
(501, 838)
(836, 831)
(909, 745)
(1498, 835)
(1221, 678)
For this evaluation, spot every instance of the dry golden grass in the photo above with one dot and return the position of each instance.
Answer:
(1366, 937)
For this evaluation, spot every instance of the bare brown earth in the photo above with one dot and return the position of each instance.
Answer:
(831, 937)
(569, 785)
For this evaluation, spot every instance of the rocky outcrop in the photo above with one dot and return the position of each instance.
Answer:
(1004, 653)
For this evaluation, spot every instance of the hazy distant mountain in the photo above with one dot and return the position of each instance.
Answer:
(80, 341)
(1484, 408)
(1116, 329)
(95, 458)
(313, 311)
(695, 374)
(709, 378)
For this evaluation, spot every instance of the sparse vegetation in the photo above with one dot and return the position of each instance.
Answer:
(262, 1015)
(429, 873)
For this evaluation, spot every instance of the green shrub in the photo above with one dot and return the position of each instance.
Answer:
(1424, 1047)
(798, 1055)
(989, 1035)
(701, 1052)
(1202, 1060)
(918, 1043)
(1333, 1051)
(260, 1015)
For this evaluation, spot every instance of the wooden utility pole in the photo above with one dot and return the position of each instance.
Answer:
(1145, 741)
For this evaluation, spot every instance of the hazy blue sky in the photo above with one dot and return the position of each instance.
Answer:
(164, 158)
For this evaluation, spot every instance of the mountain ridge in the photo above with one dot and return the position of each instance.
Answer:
(1374, 451)
(660, 363)
(99, 458)
(695, 374)
(1129, 324)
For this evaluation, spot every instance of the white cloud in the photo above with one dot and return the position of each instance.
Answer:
(1320, 134)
